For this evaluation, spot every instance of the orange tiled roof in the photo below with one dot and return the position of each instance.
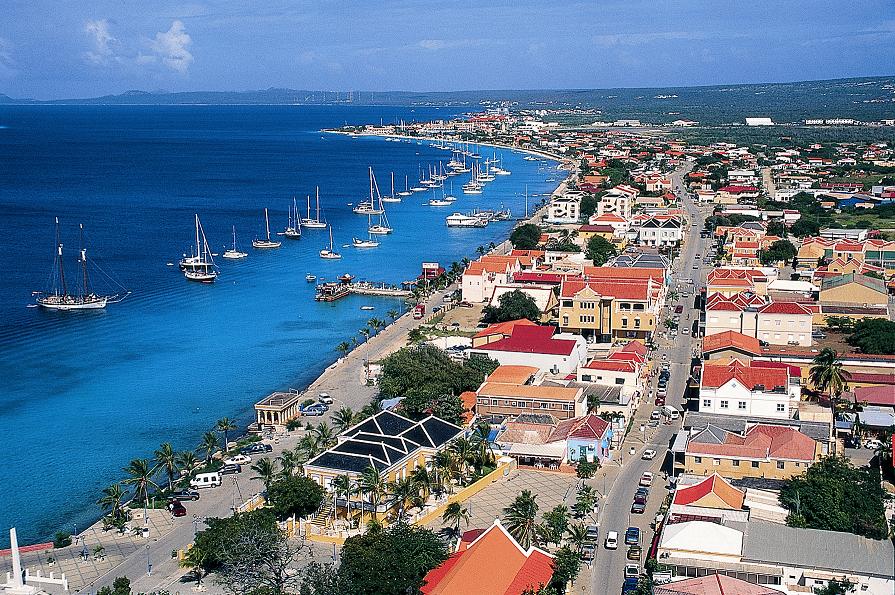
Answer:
(512, 374)
(503, 328)
(694, 495)
(716, 376)
(731, 340)
(552, 393)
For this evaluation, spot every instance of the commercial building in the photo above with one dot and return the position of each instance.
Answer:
(736, 388)
(559, 354)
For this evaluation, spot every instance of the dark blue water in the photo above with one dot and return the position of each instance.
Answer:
(81, 393)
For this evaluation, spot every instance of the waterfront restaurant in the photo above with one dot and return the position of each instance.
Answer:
(276, 409)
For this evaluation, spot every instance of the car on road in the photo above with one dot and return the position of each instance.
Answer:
(695, 267)
(632, 570)
(634, 552)
(185, 495)
(238, 460)
(679, 309)
(656, 414)
(325, 398)
(588, 551)
(648, 455)
(630, 585)
(646, 479)
(177, 509)
(313, 411)
(230, 469)
(638, 507)
(632, 536)
(611, 540)
(640, 498)
(660, 399)
(256, 448)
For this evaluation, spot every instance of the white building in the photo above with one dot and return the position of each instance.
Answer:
(738, 389)
(660, 232)
(558, 355)
(564, 209)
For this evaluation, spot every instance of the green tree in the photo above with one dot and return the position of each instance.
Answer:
(526, 237)
(343, 419)
(828, 376)
(512, 305)
(209, 445)
(577, 535)
(519, 518)
(111, 500)
(392, 561)
(141, 473)
(404, 493)
(166, 459)
(120, 586)
(776, 228)
(588, 206)
(453, 515)
(779, 251)
(196, 560)
(599, 250)
(225, 425)
(566, 564)
(343, 348)
(266, 470)
(586, 469)
(805, 226)
(324, 434)
(555, 524)
(375, 486)
(833, 495)
(298, 495)
(835, 587)
(873, 335)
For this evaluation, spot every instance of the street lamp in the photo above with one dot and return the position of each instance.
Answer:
(195, 524)
(148, 562)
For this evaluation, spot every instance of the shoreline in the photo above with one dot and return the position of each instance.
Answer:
(385, 335)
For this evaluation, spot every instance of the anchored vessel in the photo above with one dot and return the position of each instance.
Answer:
(316, 222)
(234, 253)
(265, 243)
(202, 268)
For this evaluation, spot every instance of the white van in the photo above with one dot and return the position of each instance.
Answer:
(206, 480)
(612, 540)
(671, 412)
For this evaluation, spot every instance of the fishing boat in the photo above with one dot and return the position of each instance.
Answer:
(392, 197)
(310, 278)
(406, 191)
(382, 227)
(59, 297)
(293, 227)
(329, 253)
(203, 269)
(461, 220)
(315, 222)
(265, 243)
(233, 253)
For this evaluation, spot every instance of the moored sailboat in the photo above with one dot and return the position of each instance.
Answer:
(267, 242)
(392, 197)
(293, 227)
(202, 268)
(234, 253)
(316, 222)
(329, 253)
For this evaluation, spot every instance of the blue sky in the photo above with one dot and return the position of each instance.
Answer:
(85, 48)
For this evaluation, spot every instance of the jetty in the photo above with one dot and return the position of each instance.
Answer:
(330, 292)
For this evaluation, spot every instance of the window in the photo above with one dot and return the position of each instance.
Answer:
(707, 403)
(619, 380)
(637, 322)
(781, 407)
(736, 462)
(624, 322)
(494, 402)
(781, 464)
(724, 404)
(741, 405)
(755, 464)
(716, 462)
(586, 378)
(697, 459)
(565, 321)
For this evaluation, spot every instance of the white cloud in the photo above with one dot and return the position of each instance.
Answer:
(432, 44)
(171, 48)
(102, 41)
(7, 63)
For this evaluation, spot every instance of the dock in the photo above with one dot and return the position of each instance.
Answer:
(330, 292)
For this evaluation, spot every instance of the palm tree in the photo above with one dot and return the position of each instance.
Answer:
(423, 480)
(225, 425)
(266, 470)
(393, 314)
(453, 515)
(342, 485)
(444, 463)
(365, 333)
(141, 472)
(374, 485)
(344, 347)
(209, 445)
(480, 439)
(187, 461)
(577, 535)
(343, 419)
(324, 435)
(288, 462)
(404, 491)
(463, 450)
(593, 403)
(111, 500)
(309, 447)
(519, 518)
(196, 559)
(827, 375)
(167, 460)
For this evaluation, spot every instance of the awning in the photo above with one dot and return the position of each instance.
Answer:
(553, 450)
(680, 442)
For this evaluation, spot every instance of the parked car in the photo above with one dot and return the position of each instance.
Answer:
(634, 552)
(238, 460)
(632, 536)
(630, 585)
(648, 455)
(679, 309)
(656, 414)
(256, 448)
(325, 398)
(611, 540)
(593, 533)
(230, 469)
(646, 479)
(632, 570)
(313, 411)
(660, 400)
(177, 509)
(640, 499)
(588, 551)
(185, 495)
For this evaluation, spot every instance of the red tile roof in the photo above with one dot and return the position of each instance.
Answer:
(731, 340)
(713, 584)
(738, 189)
(532, 339)
(588, 427)
(503, 328)
(531, 277)
(716, 376)
(619, 288)
(760, 442)
(609, 365)
(785, 308)
(713, 484)
(876, 395)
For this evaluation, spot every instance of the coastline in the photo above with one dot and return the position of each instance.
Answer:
(342, 371)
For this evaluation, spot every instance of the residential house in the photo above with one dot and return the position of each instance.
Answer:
(585, 438)
(730, 345)
(617, 202)
(731, 281)
(603, 310)
(482, 276)
(657, 231)
(507, 399)
(558, 354)
(564, 209)
(490, 561)
(623, 367)
(736, 388)
(498, 331)
(711, 497)
(733, 194)
(618, 223)
(763, 451)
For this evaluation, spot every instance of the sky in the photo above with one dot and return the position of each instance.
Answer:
(53, 49)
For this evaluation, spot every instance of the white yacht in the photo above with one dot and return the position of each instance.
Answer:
(315, 222)
(233, 253)
(461, 220)
(265, 243)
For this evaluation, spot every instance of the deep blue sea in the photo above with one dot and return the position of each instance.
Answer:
(82, 393)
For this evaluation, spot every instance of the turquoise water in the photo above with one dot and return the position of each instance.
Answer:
(81, 393)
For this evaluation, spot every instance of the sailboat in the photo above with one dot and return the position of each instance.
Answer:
(203, 268)
(369, 242)
(316, 222)
(293, 227)
(406, 191)
(392, 197)
(84, 299)
(234, 253)
(266, 243)
(329, 253)
(368, 207)
(382, 227)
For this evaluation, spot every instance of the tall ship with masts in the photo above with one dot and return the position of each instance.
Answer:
(202, 268)
(83, 298)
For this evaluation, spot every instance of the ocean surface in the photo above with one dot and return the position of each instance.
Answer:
(82, 393)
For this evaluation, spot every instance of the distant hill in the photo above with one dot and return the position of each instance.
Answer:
(868, 98)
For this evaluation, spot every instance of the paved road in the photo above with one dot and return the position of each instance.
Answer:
(606, 573)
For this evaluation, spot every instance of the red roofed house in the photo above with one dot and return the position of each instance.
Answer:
(492, 563)
(714, 584)
(776, 323)
(733, 194)
(741, 389)
(711, 498)
(537, 346)
(481, 276)
(498, 331)
(623, 367)
(586, 438)
(764, 450)
(730, 344)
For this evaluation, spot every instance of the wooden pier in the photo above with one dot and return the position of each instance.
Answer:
(330, 292)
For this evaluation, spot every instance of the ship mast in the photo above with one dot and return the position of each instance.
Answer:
(86, 288)
(61, 262)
